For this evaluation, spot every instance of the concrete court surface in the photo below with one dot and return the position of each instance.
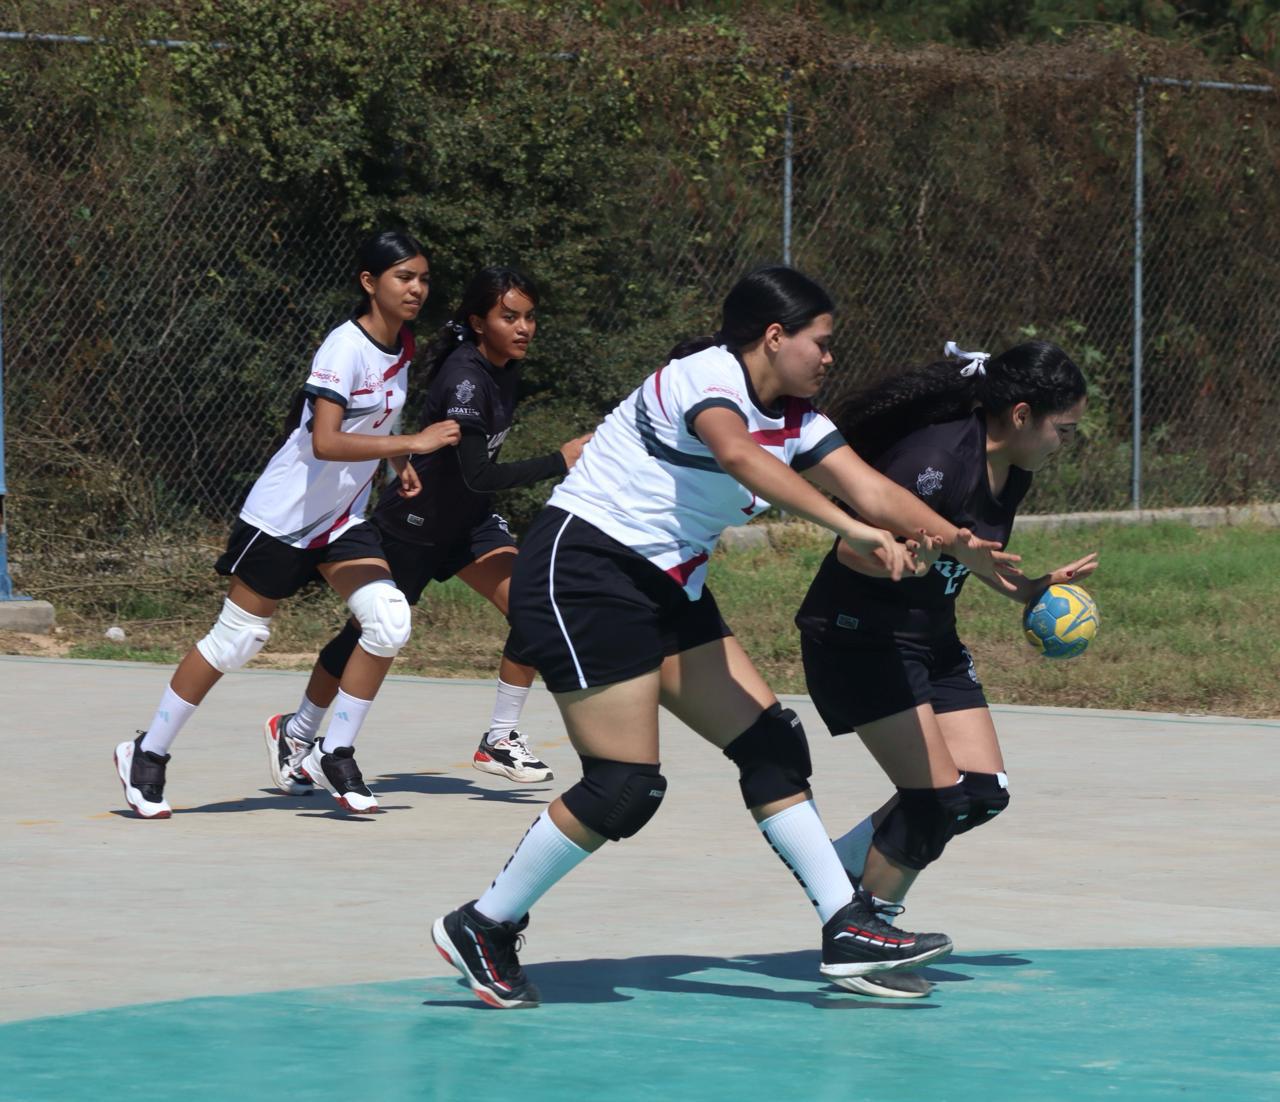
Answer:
(267, 913)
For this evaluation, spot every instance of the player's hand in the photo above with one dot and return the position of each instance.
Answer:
(984, 558)
(900, 559)
(928, 549)
(442, 434)
(1073, 571)
(410, 483)
(571, 450)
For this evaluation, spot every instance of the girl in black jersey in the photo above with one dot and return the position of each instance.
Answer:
(884, 659)
(439, 521)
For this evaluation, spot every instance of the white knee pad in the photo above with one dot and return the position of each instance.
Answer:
(384, 617)
(235, 638)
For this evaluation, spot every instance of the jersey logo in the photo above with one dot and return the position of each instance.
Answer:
(464, 390)
(928, 482)
(953, 571)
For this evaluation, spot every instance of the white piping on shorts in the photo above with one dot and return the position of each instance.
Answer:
(246, 550)
(551, 592)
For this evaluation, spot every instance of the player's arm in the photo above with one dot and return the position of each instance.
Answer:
(482, 475)
(846, 475)
(725, 432)
(331, 444)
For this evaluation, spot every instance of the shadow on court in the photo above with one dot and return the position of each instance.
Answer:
(604, 980)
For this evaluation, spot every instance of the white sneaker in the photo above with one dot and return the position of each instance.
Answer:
(284, 756)
(142, 774)
(339, 774)
(887, 985)
(510, 757)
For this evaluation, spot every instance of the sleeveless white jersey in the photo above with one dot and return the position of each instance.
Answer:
(648, 481)
(310, 502)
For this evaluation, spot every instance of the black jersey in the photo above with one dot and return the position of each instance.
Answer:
(458, 482)
(945, 465)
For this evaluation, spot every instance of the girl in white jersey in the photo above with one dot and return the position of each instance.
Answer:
(608, 601)
(304, 518)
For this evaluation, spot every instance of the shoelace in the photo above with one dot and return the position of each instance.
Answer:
(519, 748)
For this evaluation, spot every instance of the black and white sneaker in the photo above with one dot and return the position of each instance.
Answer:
(485, 953)
(857, 941)
(284, 757)
(142, 774)
(510, 757)
(888, 985)
(339, 774)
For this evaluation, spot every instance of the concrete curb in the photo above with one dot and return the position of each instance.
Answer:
(35, 617)
(772, 533)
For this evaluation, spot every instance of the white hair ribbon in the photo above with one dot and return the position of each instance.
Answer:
(976, 361)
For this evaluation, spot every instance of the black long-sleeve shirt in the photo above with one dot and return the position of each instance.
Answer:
(458, 483)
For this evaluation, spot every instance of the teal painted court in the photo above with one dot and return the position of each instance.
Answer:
(1042, 1024)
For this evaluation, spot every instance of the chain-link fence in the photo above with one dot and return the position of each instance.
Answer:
(161, 300)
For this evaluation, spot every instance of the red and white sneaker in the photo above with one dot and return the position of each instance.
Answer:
(142, 774)
(510, 757)
(338, 774)
(284, 757)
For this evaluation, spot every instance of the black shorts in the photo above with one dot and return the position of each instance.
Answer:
(275, 569)
(885, 674)
(589, 611)
(415, 565)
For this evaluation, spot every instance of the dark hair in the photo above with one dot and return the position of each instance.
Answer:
(381, 251)
(486, 288)
(1037, 372)
(774, 293)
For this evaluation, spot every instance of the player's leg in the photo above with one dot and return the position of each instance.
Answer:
(715, 690)
(290, 736)
(971, 738)
(384, 617)
(614, 729)
(503, 750)
(241, 630)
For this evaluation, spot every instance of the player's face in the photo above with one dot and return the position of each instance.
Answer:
(803, 357)
(1041, 437)
(399, 292)
(504, 333)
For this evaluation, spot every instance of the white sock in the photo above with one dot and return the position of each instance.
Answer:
(305, 722)
(348, 715)
(543, 857)
(172, 713)
(852, 848)
(507, 706)
(799, 838)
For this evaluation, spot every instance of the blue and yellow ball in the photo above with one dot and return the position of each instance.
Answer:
(1061, 622)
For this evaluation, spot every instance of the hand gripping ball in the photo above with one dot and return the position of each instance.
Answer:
(1061, 622)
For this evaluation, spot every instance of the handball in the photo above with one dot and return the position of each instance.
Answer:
(1061, 622)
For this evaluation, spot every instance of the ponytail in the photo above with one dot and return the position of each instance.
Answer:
(1037, 372)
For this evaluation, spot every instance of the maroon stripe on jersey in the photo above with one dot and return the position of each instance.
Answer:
(682, 572)
(406, 355)
(657, 390)
(794, 415)
(323, 538)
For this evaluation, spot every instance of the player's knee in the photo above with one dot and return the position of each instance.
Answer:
(235, 638)
(334, 654)
(615, 798)
(384, 617)
(988, 796)
(921, 823)
(772, 756)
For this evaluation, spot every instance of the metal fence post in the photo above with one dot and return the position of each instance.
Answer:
(787, 146)
(1140, 112)
(6, 584)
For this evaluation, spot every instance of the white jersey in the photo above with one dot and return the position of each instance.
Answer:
(310, 502)
(648, 481)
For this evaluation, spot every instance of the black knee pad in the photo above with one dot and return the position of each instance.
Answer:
(772, 756)
(615, 798)
(988, 796)
(334, 655)
(923, 821)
